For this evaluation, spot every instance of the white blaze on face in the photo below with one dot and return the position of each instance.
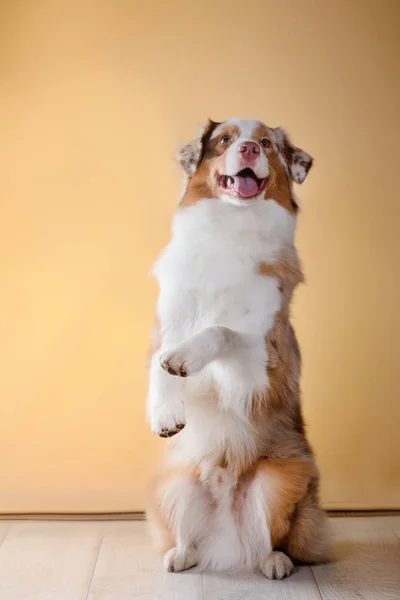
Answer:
(233, 158)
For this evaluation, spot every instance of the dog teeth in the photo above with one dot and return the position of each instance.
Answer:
(227, 181)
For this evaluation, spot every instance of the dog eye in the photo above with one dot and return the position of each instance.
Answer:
(266, 143)
(224, 140)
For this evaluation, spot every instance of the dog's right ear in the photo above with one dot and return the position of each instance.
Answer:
(190, 154)
(297, 160)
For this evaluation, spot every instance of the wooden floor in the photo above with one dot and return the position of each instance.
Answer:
(105, 560)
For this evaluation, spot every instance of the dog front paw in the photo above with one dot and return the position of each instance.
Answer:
(182, 361)
(167, 421)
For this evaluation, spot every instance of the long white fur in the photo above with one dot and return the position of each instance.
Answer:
(219, 543)
(208, 280)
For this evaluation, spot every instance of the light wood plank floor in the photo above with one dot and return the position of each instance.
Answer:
(113, 560)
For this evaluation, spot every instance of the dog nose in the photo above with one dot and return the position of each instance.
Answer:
(249, 149)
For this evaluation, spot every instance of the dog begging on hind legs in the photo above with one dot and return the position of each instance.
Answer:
(239, 485)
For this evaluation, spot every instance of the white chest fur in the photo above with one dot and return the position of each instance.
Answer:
(208, 272)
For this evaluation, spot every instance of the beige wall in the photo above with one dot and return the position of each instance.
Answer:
(95, 96)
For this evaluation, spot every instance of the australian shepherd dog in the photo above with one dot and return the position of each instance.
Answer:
(238, 488)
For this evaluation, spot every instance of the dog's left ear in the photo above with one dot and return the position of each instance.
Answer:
(190, 154)
(298, 161)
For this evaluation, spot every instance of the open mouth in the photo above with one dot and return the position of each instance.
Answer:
(245, 184)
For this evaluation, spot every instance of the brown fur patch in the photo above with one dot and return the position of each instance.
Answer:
(286, 482)
(286, 268)
(200, 186)
(278, 187)
(213, 148)
(308, 539)
(283, 352)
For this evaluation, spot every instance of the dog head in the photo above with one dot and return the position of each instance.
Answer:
(242, 162)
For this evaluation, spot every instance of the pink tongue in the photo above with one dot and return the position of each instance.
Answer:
(245, 186)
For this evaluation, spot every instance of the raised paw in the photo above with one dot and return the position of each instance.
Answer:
(277, 566)
(176, 560)
(168, 421)
(181, 361)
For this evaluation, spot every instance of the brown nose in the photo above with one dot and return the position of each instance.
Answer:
(249, 149)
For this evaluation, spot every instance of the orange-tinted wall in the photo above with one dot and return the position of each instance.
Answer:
(95, 97)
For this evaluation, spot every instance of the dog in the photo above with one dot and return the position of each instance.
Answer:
(238, 488)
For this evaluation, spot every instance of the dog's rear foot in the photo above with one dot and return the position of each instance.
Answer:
(176, 560)
(277, 566)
